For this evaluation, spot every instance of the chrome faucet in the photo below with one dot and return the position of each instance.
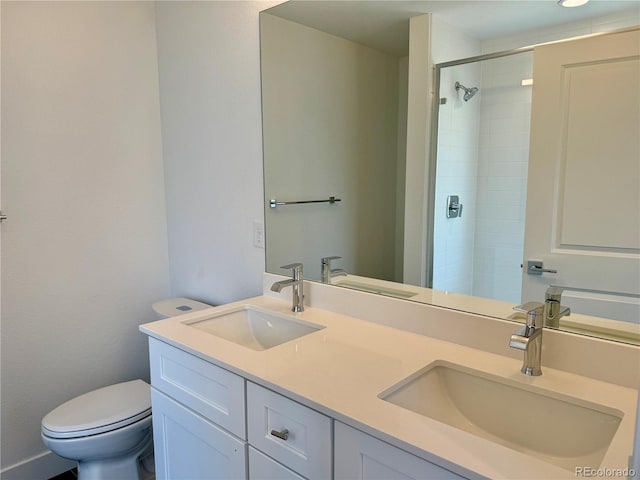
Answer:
(553, 309)
(297, 283)
(327, 272)
(529, 338)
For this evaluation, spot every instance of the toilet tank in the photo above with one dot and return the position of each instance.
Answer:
(172, 307)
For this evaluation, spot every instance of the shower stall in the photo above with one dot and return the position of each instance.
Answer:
(480, 174)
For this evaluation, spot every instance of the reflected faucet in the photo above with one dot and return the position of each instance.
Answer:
(296, 282)
(553, 309)
(327, 272)
(529, 338)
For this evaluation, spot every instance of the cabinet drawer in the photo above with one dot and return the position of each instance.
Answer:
(262, 467)
(307, 447)
(213, 392)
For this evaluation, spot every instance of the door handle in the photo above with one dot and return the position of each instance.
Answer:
(454, 207)
(536, 267)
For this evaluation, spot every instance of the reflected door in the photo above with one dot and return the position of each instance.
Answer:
(583, 199)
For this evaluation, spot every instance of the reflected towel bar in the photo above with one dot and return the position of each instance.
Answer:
(273, 203)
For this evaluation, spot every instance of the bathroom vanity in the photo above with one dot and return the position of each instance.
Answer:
(199, 420)
(253, 390)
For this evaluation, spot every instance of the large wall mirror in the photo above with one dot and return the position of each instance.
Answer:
(341, 107)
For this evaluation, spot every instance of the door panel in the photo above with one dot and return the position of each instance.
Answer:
(583, 199)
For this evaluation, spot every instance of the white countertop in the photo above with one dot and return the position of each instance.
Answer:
(341, 369)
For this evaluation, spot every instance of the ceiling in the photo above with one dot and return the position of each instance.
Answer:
(383, 24)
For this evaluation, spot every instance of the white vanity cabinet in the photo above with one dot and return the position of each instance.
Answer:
(200, 429)
(361, 456)
(209, 423)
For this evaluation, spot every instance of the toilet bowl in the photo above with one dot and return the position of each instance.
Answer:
(107, 431)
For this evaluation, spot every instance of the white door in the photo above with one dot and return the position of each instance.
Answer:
(583, 199)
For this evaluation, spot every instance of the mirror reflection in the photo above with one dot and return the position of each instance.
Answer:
(340, 108)
(481, 177)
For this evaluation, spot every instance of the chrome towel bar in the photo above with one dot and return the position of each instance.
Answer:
(273, 203)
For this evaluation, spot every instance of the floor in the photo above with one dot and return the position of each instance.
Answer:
(73, 475)
(147, 473)
(69, 475)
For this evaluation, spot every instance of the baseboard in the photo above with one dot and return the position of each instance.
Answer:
(41, 467)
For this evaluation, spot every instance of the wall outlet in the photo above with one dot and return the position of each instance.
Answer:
(258, 234)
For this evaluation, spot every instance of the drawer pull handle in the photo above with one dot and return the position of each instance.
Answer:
(284, 434)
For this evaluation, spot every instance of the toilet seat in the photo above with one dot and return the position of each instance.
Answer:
(99, 411)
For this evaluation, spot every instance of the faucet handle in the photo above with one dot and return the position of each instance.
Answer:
(553, 293)
(292, 265)
(327, 260)
(532, 309)
(553, 308)
(296, 267)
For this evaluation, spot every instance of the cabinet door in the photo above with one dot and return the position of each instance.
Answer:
(361, 456)
(189, 447)
(262, 467)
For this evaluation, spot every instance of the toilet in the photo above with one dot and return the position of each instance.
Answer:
(108, 431)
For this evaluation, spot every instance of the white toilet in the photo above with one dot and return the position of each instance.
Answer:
(108, 431)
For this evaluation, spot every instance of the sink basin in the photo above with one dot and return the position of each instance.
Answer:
(565, 431)
(253, 327)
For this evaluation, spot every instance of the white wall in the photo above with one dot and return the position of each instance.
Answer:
(82, 83)
(419, 80)
(84, 251)
(401, 180)
(330, 107)
(208, 55)
(457, 166)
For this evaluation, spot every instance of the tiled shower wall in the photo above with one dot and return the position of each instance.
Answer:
(503, 150)
(457, 170)
(482, 157)
(457, 165)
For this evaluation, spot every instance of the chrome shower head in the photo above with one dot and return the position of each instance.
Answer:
(468, 92)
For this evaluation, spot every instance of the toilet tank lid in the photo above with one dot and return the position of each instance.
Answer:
(177, 306)
(101, 408)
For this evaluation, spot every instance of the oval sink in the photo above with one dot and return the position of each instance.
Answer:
(253, 327)
(565, 431)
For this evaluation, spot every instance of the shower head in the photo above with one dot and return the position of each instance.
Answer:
(468, 92)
